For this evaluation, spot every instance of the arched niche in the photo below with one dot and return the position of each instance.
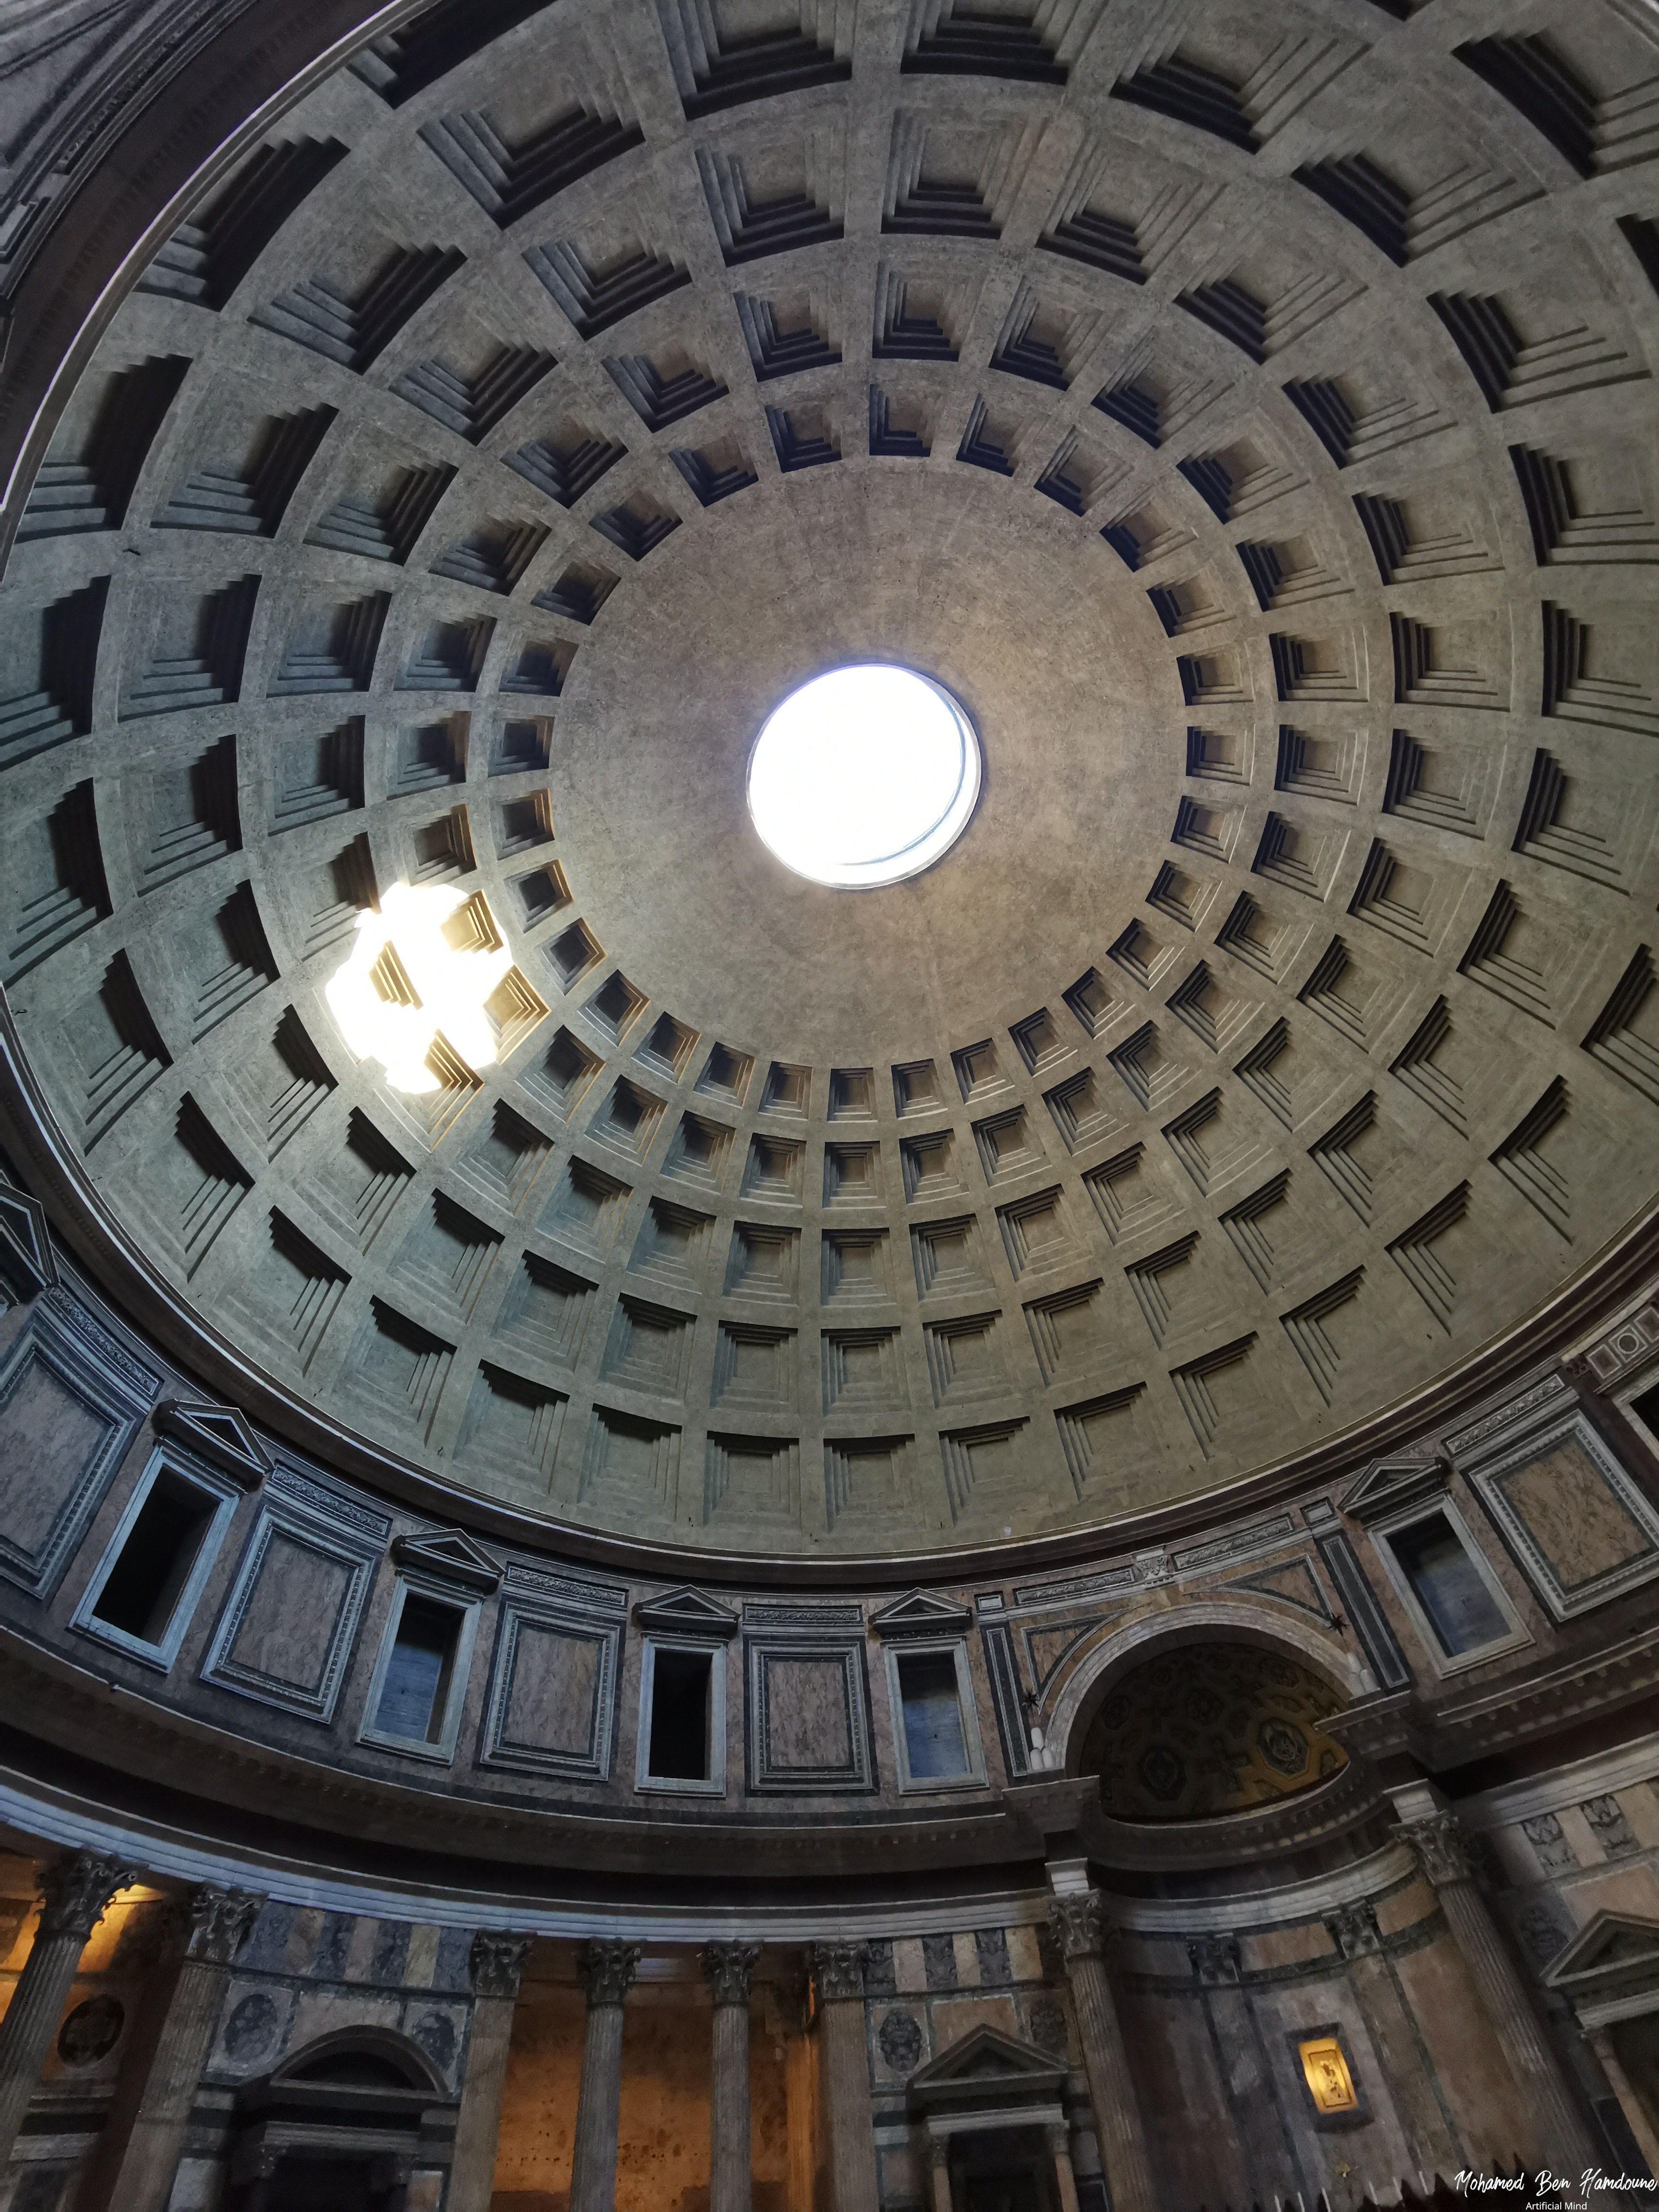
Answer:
(1098, 1671)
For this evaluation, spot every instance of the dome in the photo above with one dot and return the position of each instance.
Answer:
(829, 1319)
(510, 428)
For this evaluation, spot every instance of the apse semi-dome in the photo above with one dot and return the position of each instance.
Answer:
(1255, 453)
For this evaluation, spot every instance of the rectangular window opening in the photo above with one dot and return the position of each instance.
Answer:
(415, 1690)
(935, 1748)
(1448, 1585)
(142, 1589)
(681, 1696)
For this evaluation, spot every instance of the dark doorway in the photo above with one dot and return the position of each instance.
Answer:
(1004, 2192)
(324, 2184)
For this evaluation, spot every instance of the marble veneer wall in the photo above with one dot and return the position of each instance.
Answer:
(1226, 1943)
(269, 1670)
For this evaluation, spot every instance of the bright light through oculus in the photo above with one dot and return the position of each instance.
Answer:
(428, 965)
(864, 776)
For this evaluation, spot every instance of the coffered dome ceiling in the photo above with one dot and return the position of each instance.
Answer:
(1245, 411)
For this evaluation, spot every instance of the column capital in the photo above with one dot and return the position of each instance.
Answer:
(1353, 1930)
(1215, 1959)
(1078, 1920)
(213, 1925)
(838, 1972)
(939, 2152)
(76, 1889)
(729, 1969)
(1440, 1848)
(495, 1961)
(605, 1969)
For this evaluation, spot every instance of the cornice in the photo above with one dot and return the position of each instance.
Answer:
(346, 1816)
(1517, 1709)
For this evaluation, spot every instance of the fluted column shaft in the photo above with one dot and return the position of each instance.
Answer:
(1079, 1924)
(605, 1970)
(729, 1969)
(1563, 2138)
(494, 1963)
(141, 2142)
(74, 1893)
(838, 1981)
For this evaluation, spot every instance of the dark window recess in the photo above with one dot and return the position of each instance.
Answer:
(1448, 1585)
(680, 1685)
(933, 1742)
(162, 1544)
(414, 1693)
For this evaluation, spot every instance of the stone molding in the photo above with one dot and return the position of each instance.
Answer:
(1604, 1775)
(1622, 1353)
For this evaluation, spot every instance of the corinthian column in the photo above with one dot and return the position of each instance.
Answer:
(1079, 1926)
(605, 1969)
(838, 1986)
(140, 2144)
(1441, 1851)
(728, 1968)
(74, 1893)
(494, 1963)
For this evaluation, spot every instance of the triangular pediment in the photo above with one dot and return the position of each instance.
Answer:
(1292, 1582)
(26, 1260)
(686, 1612)
(218, 1434)
(1390, 1483)
(987, 2054)
(919, 1612)
(451, 1556)
(1613, 1946)
(988, 2070)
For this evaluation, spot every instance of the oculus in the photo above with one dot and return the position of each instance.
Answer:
(865, 776)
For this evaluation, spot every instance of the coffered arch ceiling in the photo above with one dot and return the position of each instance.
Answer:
(1246, 411)
(1212, 1728)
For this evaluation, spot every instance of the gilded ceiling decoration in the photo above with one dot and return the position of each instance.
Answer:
(1209, 1729)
